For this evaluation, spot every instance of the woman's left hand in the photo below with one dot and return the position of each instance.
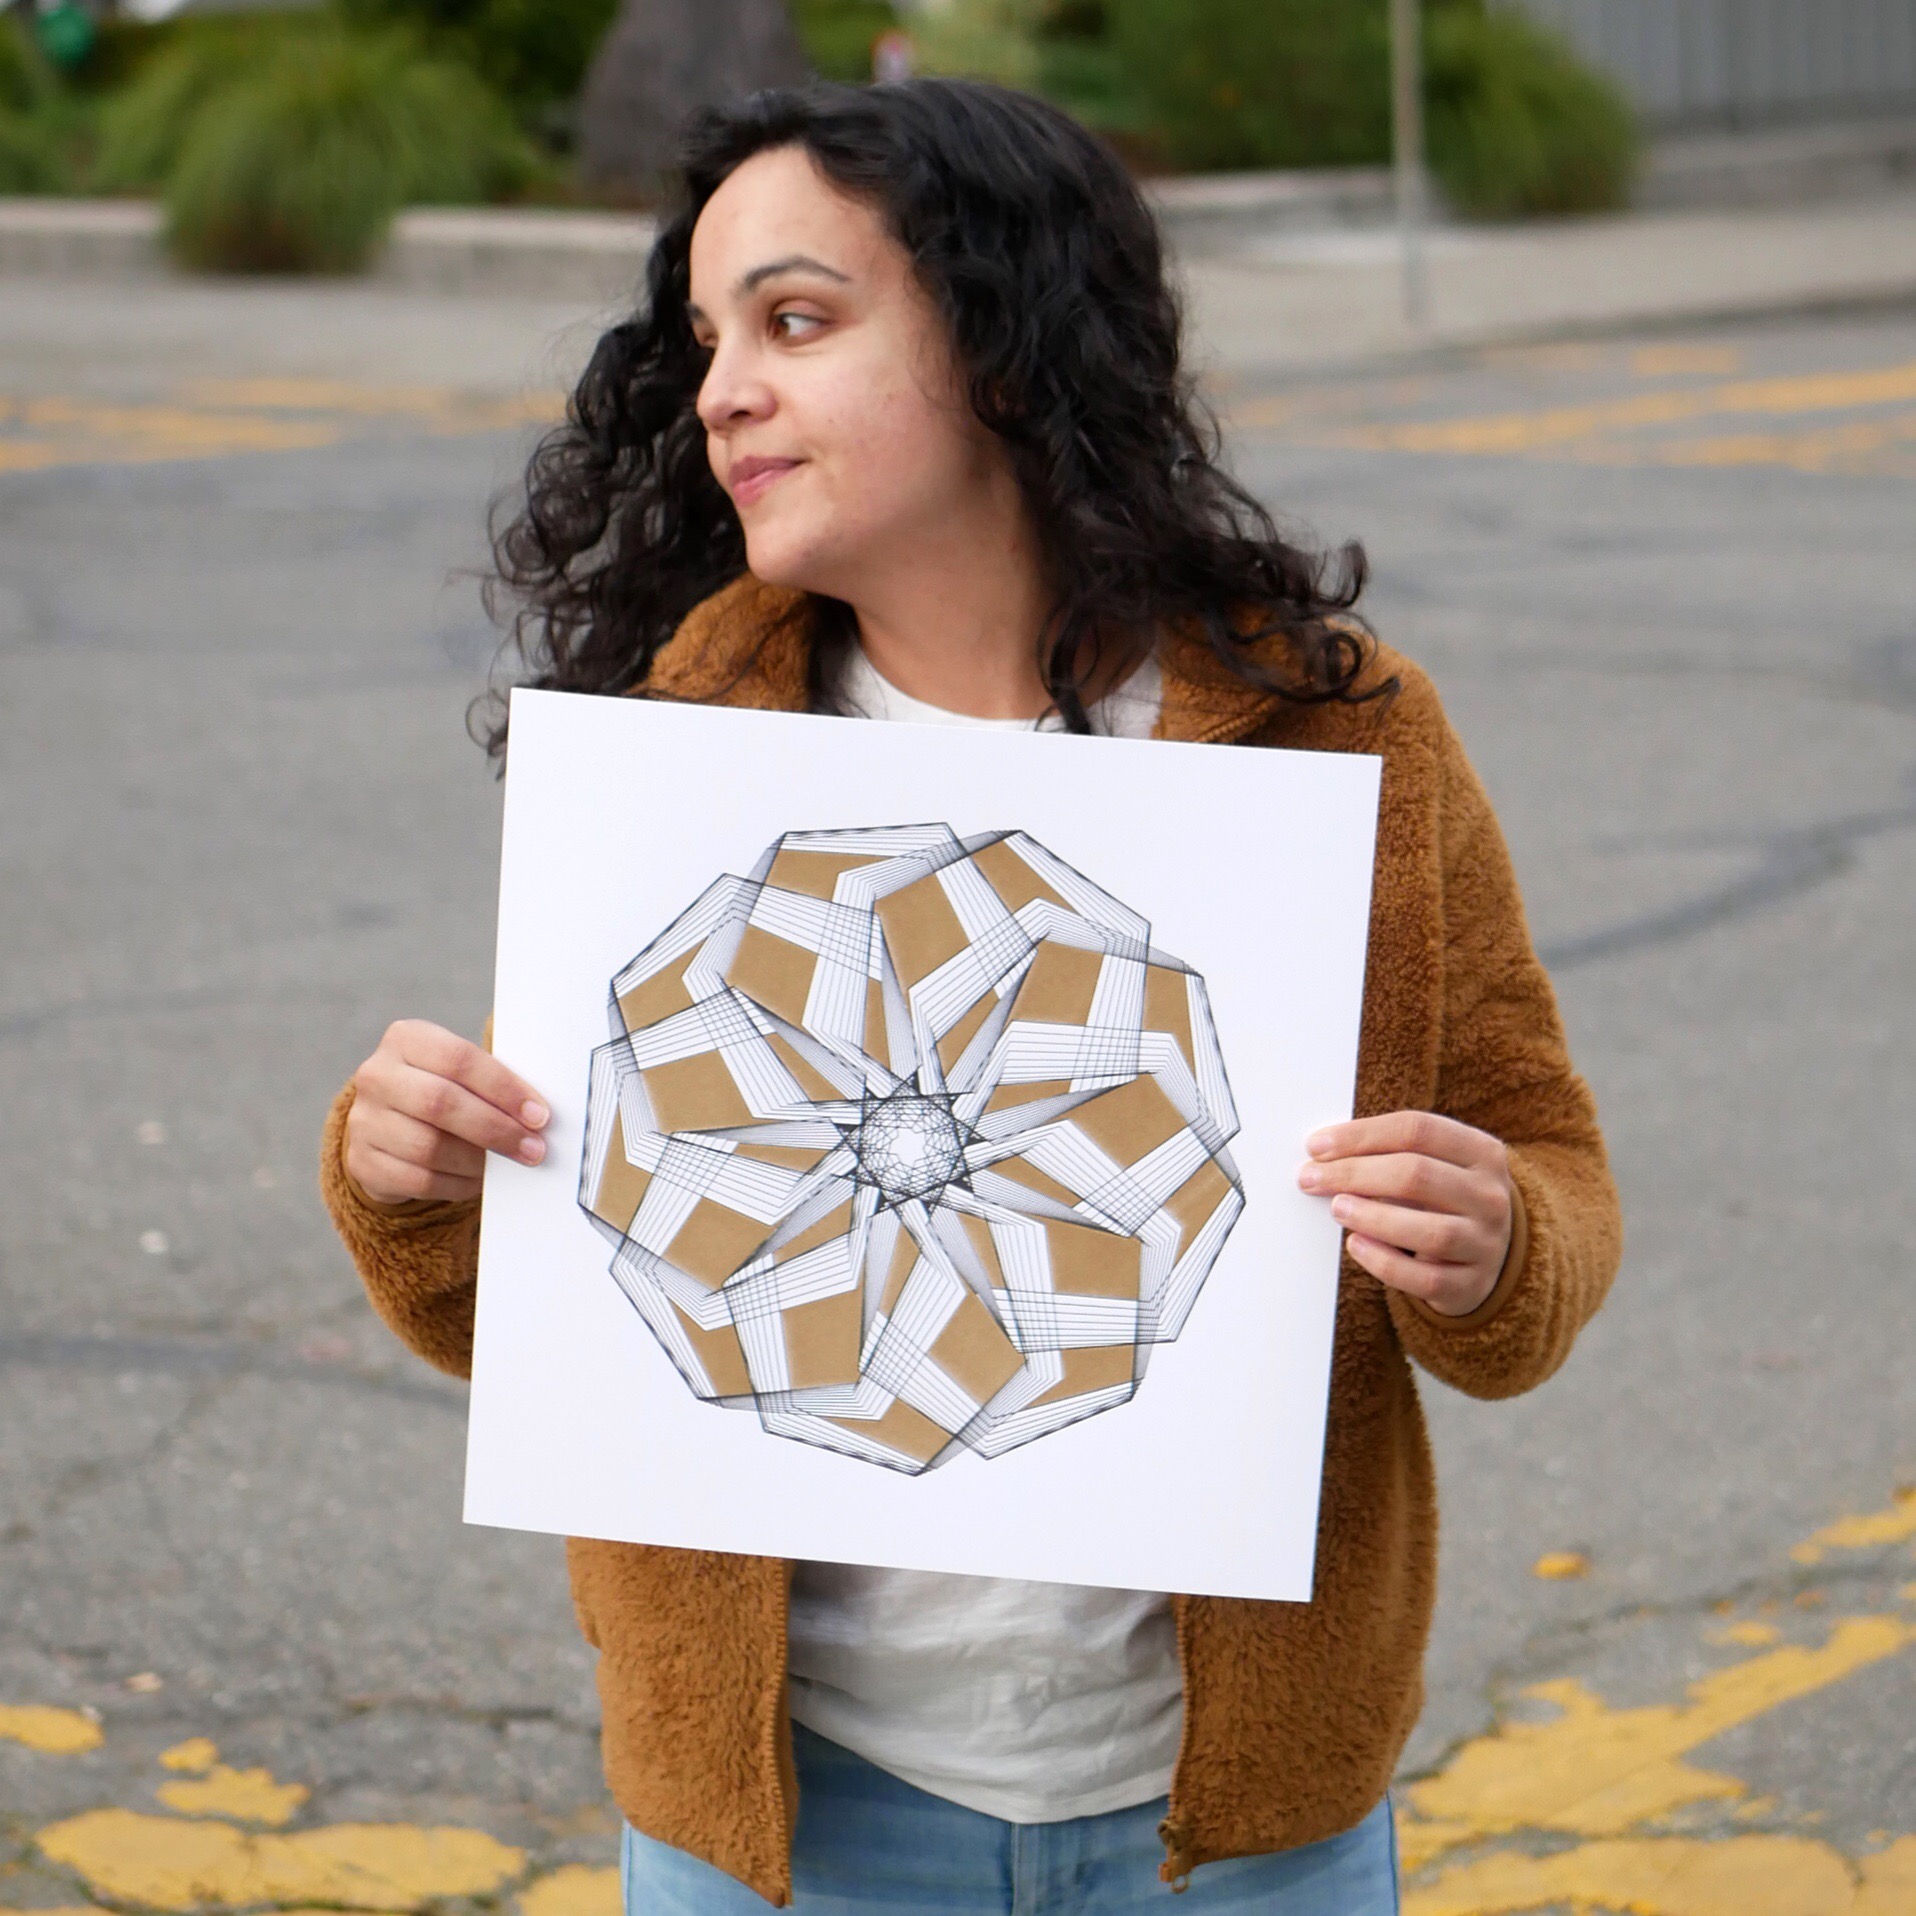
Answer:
(1426, 1201)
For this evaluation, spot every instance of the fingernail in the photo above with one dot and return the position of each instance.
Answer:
(534, 1113)
(1311, 1178)
(1342, 1207)
(532, 1149)
(1318, 1144)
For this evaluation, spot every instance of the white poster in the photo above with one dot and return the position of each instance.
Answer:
(927, 1106)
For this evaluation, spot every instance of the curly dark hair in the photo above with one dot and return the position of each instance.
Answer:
(1048, 267)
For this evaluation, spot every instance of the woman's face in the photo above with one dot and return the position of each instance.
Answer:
(834, 416)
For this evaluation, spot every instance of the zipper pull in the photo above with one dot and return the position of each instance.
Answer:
(1176, 1867)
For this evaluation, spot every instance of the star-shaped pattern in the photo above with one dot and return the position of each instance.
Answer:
(910, 1143)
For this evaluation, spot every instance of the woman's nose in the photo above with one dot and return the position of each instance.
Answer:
(731, 391)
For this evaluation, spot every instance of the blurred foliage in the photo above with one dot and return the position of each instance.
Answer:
(144, 127)
(25, 79)
(33, 158)
(42, 127)
(838, 35)
(980, 40)
(120, 46)
(532, 53)
(66, 32)
(1062, 49)
(1083, 70)
(297, 161)
(1518, 124)
(286, 137)
(1250, 83)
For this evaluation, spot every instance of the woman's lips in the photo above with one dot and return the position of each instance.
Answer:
(751, 477)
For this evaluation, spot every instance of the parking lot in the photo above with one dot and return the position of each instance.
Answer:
(248, 1654)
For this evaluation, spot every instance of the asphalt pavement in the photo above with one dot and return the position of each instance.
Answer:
(248, 1654)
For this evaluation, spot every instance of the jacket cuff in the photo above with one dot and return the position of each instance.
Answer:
(1500, 1293)
(352, 1206)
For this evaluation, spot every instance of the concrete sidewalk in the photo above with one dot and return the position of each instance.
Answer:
(1286, 303)
(471, 297)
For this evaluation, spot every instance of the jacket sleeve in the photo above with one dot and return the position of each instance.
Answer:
(1503, 1067)
(419, 1262)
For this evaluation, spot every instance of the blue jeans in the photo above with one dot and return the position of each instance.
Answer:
(869, 1845)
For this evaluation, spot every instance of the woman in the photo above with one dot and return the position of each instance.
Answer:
(901, 431)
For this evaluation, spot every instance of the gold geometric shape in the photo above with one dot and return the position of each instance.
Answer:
(714, 1242)
(1091, 1262)
(697, 1093)
(773, 972)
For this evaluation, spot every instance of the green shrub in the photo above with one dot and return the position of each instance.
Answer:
(1083, 71)
(838, 35)
(980, 40)
(1250, 83)
(42, 125)
(24, 78)
(144, 128)
(1517, 124)
(533, 53)
(66, 32)
(300, 166)
(32, 156)
(1091, 82)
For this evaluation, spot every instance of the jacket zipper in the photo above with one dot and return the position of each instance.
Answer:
(1174, 1833)
(779, 1725)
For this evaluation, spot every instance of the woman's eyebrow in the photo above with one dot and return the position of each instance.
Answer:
(791, 263)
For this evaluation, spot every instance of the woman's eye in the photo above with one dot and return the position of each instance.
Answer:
(794, 325)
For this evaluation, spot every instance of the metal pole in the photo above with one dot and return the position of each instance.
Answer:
(1407, 149)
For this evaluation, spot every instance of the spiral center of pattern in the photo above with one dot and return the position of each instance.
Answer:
(909, 1145)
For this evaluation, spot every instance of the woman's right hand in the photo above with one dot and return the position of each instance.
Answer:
(427, 1107)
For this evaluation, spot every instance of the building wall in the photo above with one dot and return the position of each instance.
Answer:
(1747, 62)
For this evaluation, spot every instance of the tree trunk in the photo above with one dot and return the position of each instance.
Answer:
(662, 58)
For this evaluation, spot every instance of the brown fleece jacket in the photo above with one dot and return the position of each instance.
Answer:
(1294, 1713)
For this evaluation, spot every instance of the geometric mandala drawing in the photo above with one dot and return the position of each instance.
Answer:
(910, 1143)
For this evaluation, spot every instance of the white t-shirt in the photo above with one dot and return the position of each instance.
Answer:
(1032, 1702)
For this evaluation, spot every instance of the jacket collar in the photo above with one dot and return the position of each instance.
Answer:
(749, 644)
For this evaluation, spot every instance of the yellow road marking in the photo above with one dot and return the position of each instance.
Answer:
(441, 405)
(575, 1890)
(52, 1732)
(1558, 1566)
(215, 418)
(175, 426)
(1566, 357)
(1632, 428)
(1672, 1876)
(33, 455)
(164, 1863)
(1749, 1633)
(1513, 432)
(1897, 1524)
(1667, 362)
(1833, 449)
(1594, 1771)
(249, 1796)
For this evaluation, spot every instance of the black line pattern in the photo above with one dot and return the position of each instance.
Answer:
(910, 1143)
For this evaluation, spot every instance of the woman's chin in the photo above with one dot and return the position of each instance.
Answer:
(799, 564)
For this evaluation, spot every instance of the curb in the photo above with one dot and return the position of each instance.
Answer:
(1785, 166)
(596, 257)
(477, 250)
